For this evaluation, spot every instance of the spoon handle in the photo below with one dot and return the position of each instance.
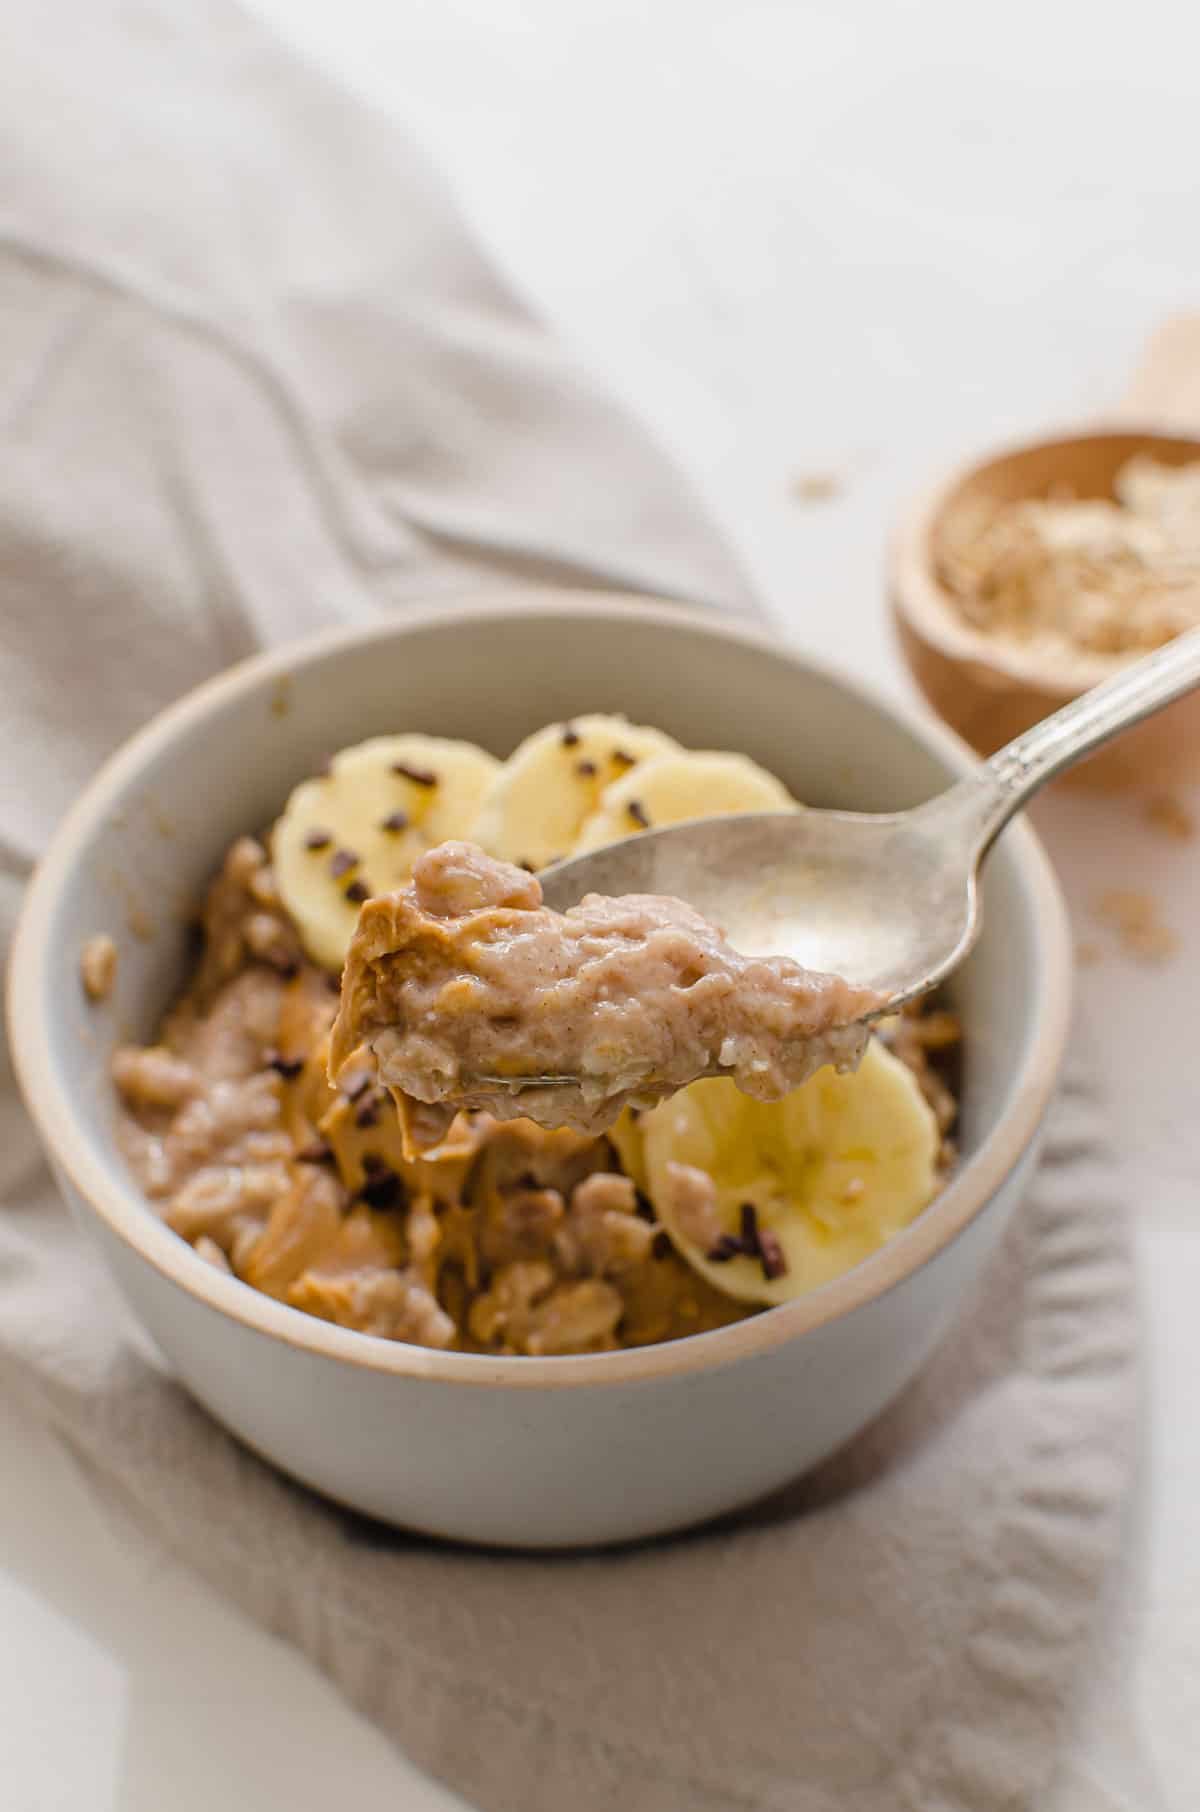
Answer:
(1012, 775)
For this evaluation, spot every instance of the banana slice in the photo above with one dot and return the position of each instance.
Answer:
(554, 780)
(630, 1146)
(831, 1171)
(684, 784)
(358, 829)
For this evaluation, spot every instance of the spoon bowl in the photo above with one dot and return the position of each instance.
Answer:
(884, 900)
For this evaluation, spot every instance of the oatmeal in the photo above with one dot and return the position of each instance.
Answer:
(1088, 575)
(502, 1238)
(477, 1233)
(465, 975)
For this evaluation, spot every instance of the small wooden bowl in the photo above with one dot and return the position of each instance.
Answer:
(990, 690)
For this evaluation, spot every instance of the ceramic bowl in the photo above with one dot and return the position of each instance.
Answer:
(519, 1452)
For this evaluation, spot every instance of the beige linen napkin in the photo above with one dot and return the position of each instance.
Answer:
(255, 378)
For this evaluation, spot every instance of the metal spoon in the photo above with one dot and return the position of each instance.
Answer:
(888, 901)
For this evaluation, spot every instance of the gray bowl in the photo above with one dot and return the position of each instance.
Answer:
(518, 1451)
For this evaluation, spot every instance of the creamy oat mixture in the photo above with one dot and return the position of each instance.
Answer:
(465, 975)
(500, 1237)
(1083, 575)
(504, 1238)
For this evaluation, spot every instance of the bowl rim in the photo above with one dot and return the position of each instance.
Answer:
(126, 1214)
(923, 603)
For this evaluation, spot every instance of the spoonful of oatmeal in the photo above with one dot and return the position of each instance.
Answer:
(565, 997)
(470, 992)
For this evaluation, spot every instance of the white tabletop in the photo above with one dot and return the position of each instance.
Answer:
(798, 238)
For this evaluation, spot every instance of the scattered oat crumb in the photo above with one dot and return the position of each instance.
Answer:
(98, 966)
(1171, 816)
(163, 824)
(817, 487)
(1087, 953)
(1135, 918)
(281, 696)
(140, 923)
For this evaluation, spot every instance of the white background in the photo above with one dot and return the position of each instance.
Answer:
(796, 237)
